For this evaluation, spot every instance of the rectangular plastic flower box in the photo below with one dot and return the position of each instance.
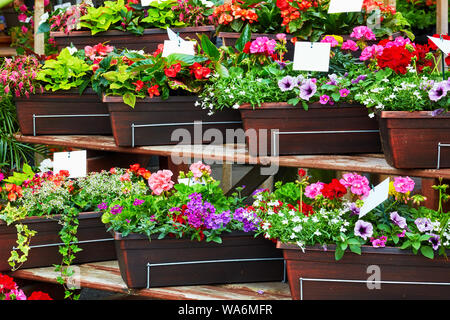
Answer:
(153, 121)
(148, 42)
(240, 258)
(282, 129)
(316, 275)
(96, 242)
(63, 113)
(415, 139)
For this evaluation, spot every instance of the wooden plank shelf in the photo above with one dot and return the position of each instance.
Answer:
(106, 276)
(237, 154)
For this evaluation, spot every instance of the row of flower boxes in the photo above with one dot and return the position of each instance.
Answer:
(240, 258)
(408, 139)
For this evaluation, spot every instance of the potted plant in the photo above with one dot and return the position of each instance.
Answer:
(54, 98)
(303, 20)
(126, 24)
(150, 96)
(9, 290)
(188, 234)
(49, 219)
(411, 100)
(399, 243)
(291, 112)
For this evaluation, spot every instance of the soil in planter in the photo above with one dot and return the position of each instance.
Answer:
(171, 260)
(44, 252)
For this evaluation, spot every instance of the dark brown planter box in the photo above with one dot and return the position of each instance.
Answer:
(316, 267)
(320, 130)
(63, 113)
(179, 262)
(153, 120)
(412, 139)
(148, 42)
(98, 243)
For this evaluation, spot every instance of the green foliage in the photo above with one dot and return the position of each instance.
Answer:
(161, 16)
(102, 18)
(65, 72)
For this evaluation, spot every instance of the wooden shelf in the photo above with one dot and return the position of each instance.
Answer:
(237, 154)
(106, 276)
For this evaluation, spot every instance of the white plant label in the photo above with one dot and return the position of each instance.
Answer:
(377, 195)
(185, 47)
(443, 44)
(146, 3)
(312, 56)
(63, 6)
(73, 161)
(340, 6)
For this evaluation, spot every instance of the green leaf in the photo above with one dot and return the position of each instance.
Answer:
(427, 251)
(339, 253)
(355, 249)
(129, 99)
(245, 37)
(209, 48)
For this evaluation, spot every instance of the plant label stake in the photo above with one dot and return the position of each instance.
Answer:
(444, 46)
(312, 56)
(339, 6)
(73, 161)
(377, 195)
(176, 44)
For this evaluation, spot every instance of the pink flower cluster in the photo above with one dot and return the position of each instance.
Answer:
(350, 45)
(199, 169)
(161, 181)
(379, 242)
(97, 52)
(314, 190)
(263, 45)
(363, 33)
(331, 40)
(359, 185)
(371, 52)
(403, 184)
(18, 75)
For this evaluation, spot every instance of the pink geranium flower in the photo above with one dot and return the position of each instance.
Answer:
(359, 185)
(314, 190)
(363, 33)
(371, 52)
(403, 184)
(161, 181)
(330, 39)
(199, 169)
(350, 45)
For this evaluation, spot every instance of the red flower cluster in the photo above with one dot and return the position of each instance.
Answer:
(151, 90)
(334, 190)
(291, 9)
(398, 58)
(7, 284)
(139, 171)
(39, 295)
(173, 70)
(306, 209)
(199, 71)
(232, 11)
(129, 2)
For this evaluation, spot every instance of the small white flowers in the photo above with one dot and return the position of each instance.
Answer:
(46, 165)
(297, 228)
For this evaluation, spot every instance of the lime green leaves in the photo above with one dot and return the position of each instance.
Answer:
(65, 72)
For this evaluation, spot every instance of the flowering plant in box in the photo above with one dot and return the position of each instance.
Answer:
(53, 195)
(316, 213)
(197, 211)
(133, 74)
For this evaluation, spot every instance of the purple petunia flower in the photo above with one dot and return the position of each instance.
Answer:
(287, 83)
(437, 112)
(398, 220)
(435, 241)
(438, 91)
(363, 229)
(102, 206)
(423, 224)
(307, 89)
(333, 80)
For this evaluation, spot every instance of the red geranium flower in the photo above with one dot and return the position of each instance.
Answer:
(334, 190)
(7, 284)
(396, 58)
(247, 47)
(38, 295)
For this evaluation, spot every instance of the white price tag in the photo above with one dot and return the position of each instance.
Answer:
(443, 44)
(64, 5)
(377, 195)
(312, 56)
(186, 47)
(339, 6)
(73, 161)
(146, 3)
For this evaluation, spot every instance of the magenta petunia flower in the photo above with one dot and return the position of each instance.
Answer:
(324, 99)
(138, 202)
(344, 92)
